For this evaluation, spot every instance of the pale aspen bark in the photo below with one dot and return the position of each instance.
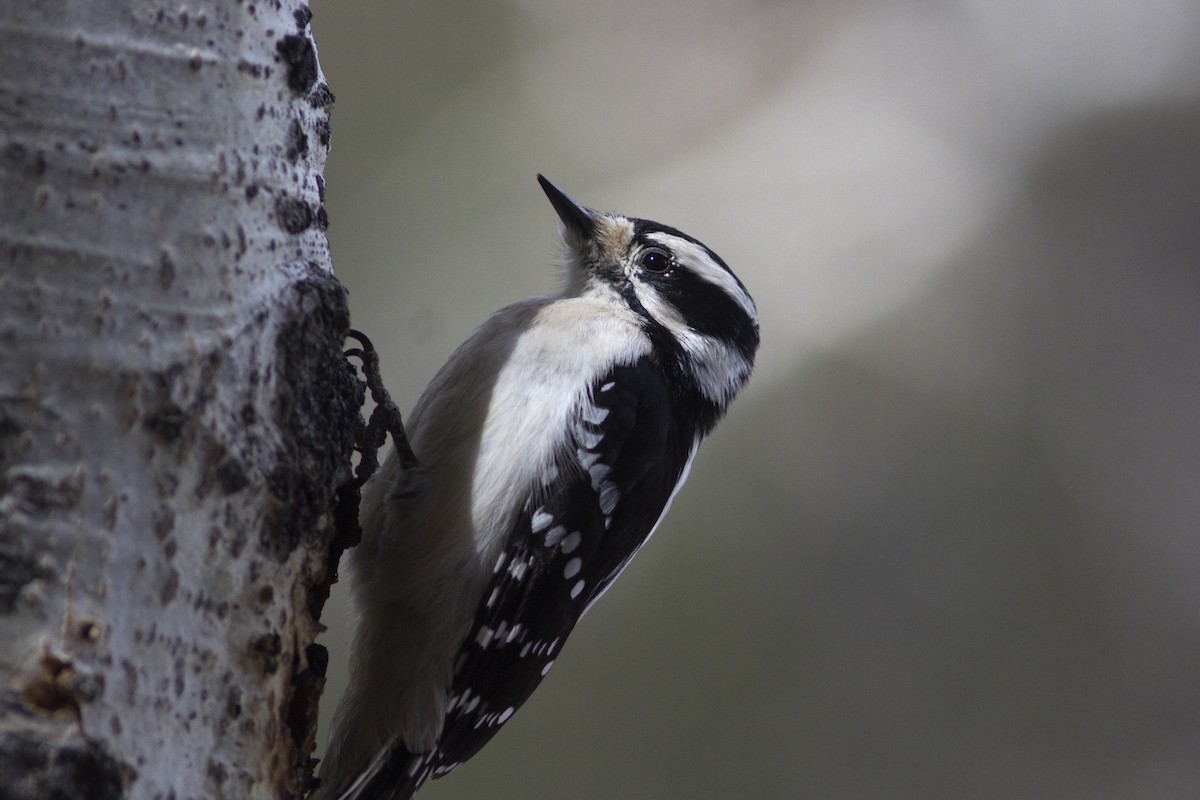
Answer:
(175, 412)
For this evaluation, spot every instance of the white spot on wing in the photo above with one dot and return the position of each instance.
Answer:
(598, 472)
(572, 568)
(546, 667)
(576, 589)
(555, 535)
(588, 439)
(587, 458)
(609, 495)
(595, 414)
(484, 637)
(504, 715)
(540, 520)
(571, 542)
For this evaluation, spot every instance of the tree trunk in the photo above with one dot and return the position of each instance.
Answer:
(176, 415)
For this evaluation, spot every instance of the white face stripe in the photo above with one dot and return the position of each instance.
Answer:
(719, 369)
(697, 259)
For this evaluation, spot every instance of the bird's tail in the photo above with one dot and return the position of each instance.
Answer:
(394, 774)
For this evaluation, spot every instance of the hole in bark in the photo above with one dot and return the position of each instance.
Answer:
(52, 689)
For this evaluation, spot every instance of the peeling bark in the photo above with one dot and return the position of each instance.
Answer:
(176, 415)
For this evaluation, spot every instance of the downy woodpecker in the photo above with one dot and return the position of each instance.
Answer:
(548, 449)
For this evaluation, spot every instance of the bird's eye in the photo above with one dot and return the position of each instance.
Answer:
(655, 260)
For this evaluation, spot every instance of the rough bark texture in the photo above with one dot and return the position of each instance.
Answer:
(175, 411)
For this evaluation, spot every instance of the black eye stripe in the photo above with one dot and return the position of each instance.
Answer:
(704, 306)
(644, 228)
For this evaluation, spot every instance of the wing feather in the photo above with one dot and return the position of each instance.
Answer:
(568, 544)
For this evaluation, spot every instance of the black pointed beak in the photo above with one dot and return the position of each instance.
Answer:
(576, 218)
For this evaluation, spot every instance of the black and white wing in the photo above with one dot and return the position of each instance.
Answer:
(569, 543)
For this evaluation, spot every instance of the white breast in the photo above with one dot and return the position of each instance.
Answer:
(569, 344)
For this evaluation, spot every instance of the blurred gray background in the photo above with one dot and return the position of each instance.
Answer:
(947, 544)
